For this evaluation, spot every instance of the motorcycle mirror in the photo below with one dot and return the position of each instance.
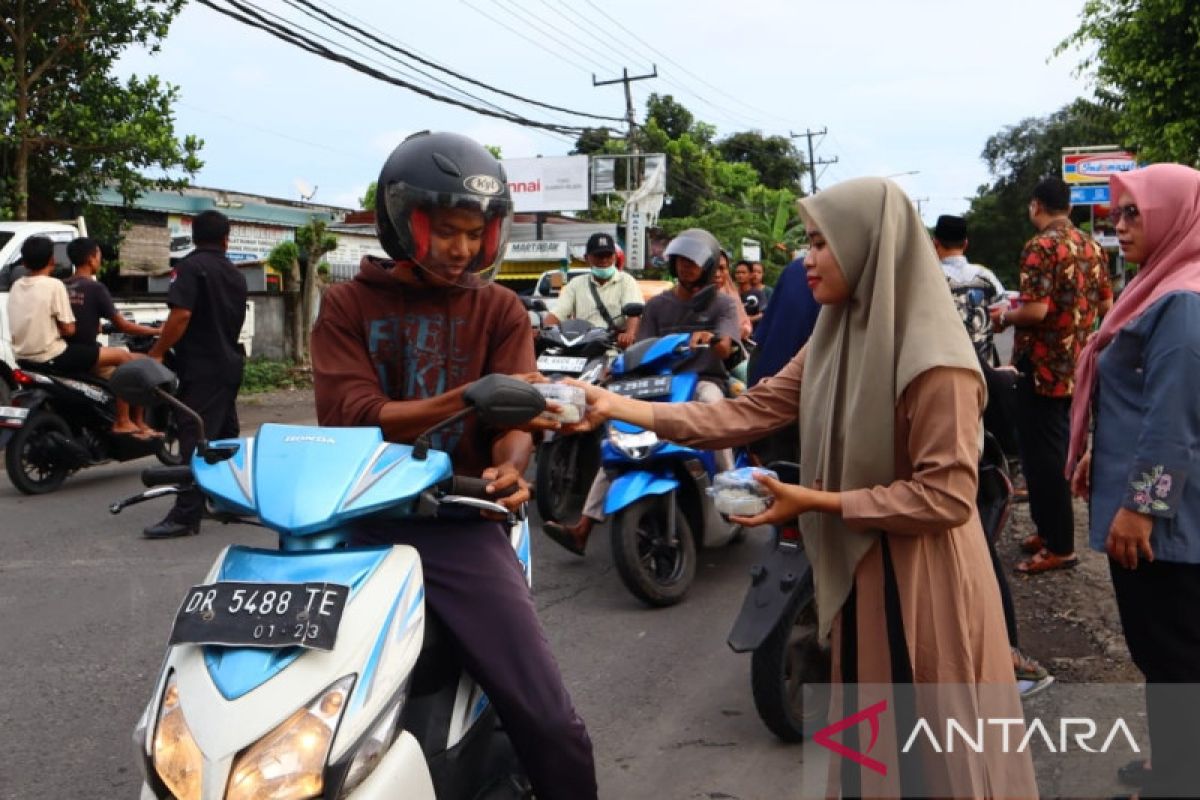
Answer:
(502, 401)
(138, 382)
(632, 310)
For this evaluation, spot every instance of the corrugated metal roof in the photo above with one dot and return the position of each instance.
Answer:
(238, 211)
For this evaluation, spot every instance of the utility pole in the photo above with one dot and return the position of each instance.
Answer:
(812, 162)
(630, 119)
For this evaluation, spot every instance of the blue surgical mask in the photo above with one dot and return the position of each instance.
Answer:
(603, 273)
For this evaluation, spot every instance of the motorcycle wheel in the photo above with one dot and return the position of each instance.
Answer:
(27, 459)
(785, 671)
(656, 571)
(168, 452)
(5, 393)
(566, 467)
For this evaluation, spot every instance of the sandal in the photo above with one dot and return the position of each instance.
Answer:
(1135, 773)
(1033, 544)
(1026, 668)
(1045, 561)
(565, 536)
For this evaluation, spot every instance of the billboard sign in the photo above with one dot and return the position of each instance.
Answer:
(548, 184)
(1096, 167)
(1096, 195)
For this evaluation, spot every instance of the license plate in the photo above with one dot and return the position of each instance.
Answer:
(261, 615)
(12, 417)
(642, 387)
(561, 363)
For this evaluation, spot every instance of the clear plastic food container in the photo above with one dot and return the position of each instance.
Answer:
(571, 399)
(736, 493)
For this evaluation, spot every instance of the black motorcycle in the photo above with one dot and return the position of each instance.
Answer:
(57, 424)
(777, 625)
(567, 465)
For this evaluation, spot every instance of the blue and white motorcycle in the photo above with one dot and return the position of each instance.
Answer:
(314, 670)
(661, 511)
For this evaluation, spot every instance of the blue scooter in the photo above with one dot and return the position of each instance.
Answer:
(315, 669)
(660, 510)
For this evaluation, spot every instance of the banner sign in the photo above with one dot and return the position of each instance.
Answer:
(1096, 167)
(1097, 195)
(536, 251)
(548, 184)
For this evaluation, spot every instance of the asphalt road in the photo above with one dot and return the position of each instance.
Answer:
(85, 606)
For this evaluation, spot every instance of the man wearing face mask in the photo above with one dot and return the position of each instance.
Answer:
(599, 296)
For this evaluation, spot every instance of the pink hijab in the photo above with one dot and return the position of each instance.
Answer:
(1168, 199)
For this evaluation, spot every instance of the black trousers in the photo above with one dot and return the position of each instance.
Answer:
(1158, 604)
(475, 585)
(1001, 408)
(216, 403)
(1044, 433)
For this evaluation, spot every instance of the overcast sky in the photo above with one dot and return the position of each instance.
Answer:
(901, 85)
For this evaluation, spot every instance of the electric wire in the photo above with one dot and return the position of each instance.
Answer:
(510, 6)
(585, 46)
(434, 65)
(406, 69)
(248, 17)
(670, 60)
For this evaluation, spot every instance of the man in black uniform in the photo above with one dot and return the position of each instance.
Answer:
(208, 305)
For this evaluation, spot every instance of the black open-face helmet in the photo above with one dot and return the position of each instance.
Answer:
(442, 170)
(698, 245)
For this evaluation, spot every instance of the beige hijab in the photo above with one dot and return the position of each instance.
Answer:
(899, 322)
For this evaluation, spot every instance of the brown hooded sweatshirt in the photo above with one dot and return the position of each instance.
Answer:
(379, 339)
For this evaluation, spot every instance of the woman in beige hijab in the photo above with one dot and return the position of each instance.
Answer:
(889, 398)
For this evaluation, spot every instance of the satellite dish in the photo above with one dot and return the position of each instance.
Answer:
(306, 191)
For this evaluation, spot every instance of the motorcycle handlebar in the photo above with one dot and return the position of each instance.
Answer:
(477, 487)
(164, 476)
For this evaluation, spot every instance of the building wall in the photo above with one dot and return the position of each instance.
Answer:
(270, 331)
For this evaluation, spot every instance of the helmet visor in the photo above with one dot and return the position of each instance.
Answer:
(457, 239)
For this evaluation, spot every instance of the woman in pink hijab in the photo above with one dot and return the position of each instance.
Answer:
(1138, 385)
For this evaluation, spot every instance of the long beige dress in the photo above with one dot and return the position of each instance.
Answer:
(949, 600)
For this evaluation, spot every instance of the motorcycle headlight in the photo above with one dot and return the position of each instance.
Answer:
(373, 746)
(289, 762)
(634, 445)
(177, 758)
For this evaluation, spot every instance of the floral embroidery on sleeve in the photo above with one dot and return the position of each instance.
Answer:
(1154, 490)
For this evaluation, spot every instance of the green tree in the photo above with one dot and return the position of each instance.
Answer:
(672, 117)
(299, 262)
(774, 158)
(1019, 156)
(1145, 61)
(67, 125)
(367, 201)
(314, 241)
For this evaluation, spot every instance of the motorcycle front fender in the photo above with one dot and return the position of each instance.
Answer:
(783, 575)
(629, 487)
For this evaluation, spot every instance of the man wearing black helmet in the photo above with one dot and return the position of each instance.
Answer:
(692, 306)
(397, 347)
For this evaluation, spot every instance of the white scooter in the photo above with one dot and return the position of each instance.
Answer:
(314, 670)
